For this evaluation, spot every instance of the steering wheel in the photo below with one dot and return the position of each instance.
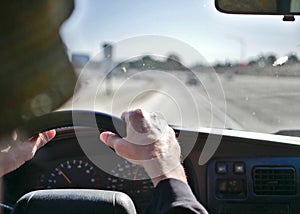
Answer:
(68, 200)
(61, 119)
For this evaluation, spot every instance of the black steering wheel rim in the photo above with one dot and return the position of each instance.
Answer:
(60, 119)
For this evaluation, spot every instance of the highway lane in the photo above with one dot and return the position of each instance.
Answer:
(162, 92)
(253, 103)
(263, 103)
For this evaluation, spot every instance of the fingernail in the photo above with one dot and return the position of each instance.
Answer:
(104, 136)
(50, 134)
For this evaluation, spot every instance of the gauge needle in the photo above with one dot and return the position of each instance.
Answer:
(136, 173)
(65, 177)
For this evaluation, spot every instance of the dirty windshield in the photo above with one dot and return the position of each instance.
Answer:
(185, 60)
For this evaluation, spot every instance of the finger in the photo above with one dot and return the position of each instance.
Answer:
(122, 147)
(125, 117)
(138, 121)
(128, 116)
(109, 138)
(131, 151)
(44, 138)
(49, 134)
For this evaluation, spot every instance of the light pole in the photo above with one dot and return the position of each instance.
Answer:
(243, 47)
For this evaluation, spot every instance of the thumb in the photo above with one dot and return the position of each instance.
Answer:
(50, 134)
(109, 138)
(120, 146)
(45, 137)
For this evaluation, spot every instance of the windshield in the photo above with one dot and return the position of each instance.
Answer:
(185, 60)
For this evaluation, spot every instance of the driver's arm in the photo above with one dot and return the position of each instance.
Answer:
(15, 153)
(151, 143)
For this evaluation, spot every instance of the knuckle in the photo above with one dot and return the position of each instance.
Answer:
(124, 114)
(43, 139)
(138, 111)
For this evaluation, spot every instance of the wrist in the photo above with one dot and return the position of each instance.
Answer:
(177, 173)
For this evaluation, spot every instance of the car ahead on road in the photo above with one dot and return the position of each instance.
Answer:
(239, 134)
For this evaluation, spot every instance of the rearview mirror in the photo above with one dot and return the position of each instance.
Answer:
(260, 7)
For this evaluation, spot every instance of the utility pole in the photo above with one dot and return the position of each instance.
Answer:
(108, 66)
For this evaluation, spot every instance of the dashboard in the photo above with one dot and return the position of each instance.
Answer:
(62, 164)
(255, 173)
(255, 185)
(249, 173)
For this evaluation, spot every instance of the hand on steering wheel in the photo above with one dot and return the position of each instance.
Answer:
(15, 152)
(151, 143)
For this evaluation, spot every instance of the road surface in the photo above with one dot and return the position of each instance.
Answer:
(243, 102)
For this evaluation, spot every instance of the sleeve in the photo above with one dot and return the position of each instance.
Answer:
(174, 196)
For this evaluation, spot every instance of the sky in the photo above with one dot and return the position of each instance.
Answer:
(215, 36)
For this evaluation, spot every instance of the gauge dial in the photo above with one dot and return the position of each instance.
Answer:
(129, 178)
(73, 174)
(129, 171)
(133, 180)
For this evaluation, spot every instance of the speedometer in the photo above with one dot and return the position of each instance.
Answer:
(133, 180)
(129, 171)
(73, 174)
(130, 178)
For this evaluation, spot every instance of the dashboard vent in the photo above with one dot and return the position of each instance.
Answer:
(274, 181)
